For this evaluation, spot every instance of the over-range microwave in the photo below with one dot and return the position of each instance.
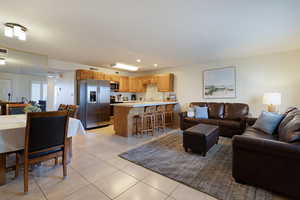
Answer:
(114, 86)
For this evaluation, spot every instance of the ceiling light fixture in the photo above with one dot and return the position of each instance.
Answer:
(155, 65)
(138, 60)
(2, 61)
(125, 67)
(17, 30)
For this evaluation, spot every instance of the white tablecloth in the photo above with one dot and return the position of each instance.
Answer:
(12, 131)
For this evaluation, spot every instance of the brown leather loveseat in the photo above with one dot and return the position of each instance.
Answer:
(230, 117)
(270, 161)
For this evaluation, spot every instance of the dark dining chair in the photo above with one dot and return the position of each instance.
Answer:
(14, 109)
(72, 111)
(62, 107)
(45, 139)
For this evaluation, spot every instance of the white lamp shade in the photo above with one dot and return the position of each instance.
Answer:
(17, 30)
(2, 61)
(8, 32)
(272, 98)
(22, 35)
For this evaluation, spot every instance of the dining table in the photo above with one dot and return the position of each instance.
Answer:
(12, 138)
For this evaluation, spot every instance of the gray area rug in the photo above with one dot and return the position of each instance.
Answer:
(211, 174)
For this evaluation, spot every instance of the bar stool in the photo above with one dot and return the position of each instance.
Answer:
(169, 114)
(160, 118)
(148, 120)
(144, 123)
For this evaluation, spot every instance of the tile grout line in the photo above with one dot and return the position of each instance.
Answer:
(40, 188)
(127, 189)
(90, 183)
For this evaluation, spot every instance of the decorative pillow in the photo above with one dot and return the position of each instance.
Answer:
(268, 122)
(201, 112)
(291, 131)
(290, 116)
(191, 112)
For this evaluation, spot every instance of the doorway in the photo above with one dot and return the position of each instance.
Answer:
(5, 89)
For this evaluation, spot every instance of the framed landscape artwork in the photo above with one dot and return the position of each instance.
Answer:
(219, 83)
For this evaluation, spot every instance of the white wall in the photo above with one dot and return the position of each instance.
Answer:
(278, 72)
(21, 84)
(64, 89)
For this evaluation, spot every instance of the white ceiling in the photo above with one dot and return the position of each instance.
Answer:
(166, 32)
(19, 62)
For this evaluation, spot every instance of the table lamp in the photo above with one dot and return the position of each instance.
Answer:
(272, 99)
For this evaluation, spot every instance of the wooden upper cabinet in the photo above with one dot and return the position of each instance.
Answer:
(124, 84)
(84, 74)
(115, 78)
(148, 80)
(133, 84)
(98, 75)
(140, 86)
(165, 82)
(107, 77)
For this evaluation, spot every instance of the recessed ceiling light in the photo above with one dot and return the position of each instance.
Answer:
(126, 67)
(17, 30)
(155, 65)
(2, 61)
(138, 60)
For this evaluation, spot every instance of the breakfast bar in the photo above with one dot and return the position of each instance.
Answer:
(124, 113)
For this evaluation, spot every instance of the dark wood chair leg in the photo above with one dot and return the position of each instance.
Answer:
(26, 171)
(64, 163)
(17, 165)
(2, 168)
(56, 160)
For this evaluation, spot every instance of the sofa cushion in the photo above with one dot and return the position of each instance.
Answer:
(205, 121)
(235, 111)
(230, 123)
(200, 104)
(216, 110)
(268, 122)
(291, 131)
(201, 112)
(253, 132)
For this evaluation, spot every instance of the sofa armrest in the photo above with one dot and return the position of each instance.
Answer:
(250, 121)
(247, 121)
(265, 146)
(183, 115)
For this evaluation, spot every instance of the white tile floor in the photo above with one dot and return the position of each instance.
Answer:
(97, 173)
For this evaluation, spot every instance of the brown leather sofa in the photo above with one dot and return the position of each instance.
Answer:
(270, 161)
(230, 117)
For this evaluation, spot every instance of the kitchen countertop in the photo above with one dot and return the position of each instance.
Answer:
(143, 104)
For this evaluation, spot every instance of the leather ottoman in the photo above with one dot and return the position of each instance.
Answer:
(200, 138)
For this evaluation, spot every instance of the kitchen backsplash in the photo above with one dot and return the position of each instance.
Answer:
(151, 94)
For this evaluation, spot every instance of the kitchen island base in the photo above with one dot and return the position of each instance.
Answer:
(124, 116)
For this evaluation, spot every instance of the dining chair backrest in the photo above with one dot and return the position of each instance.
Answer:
(62, 107)
(45, 131)
(73, 111)
(14, 109)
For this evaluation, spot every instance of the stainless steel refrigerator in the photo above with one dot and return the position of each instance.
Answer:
(93, 97)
